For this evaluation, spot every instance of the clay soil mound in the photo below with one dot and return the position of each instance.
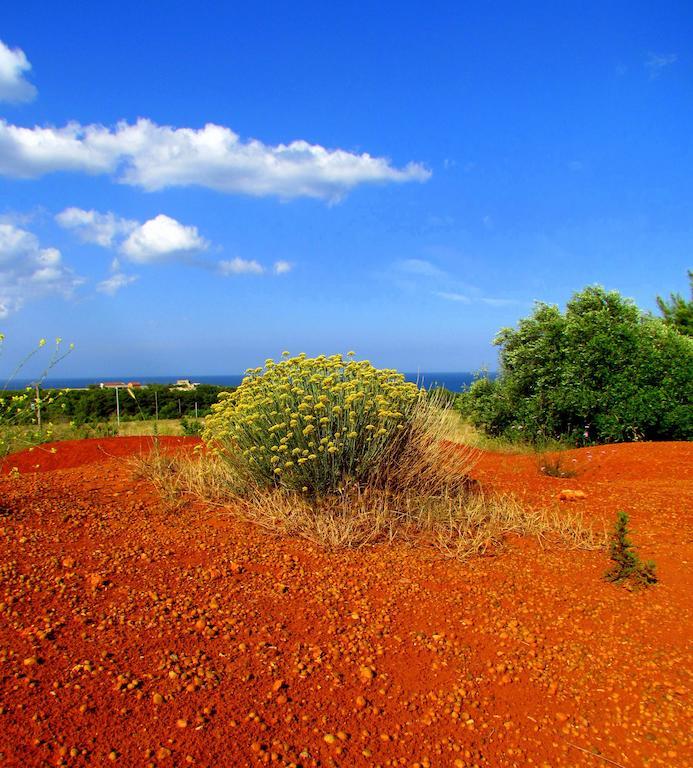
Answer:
(136, 635)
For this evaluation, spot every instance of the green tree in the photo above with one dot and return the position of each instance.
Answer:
(678, 312)
(602, 367)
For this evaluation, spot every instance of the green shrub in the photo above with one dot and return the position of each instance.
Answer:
(313, 424)
(600, 372)
(627, 565)
(191, 427)
(90, 429)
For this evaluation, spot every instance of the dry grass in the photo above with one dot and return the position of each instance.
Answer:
(460, 522)
(459, 526)
(428, 460)
(162, 427)
(66, 431)
(177, 475)
(553, 465)
(484, 523)
(463, 432)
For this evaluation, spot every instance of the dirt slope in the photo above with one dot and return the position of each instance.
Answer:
(136, 636)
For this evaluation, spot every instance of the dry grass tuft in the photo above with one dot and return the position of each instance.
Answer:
(458, 525)
(484, 522)
(427, 460)
(456, 518)
(177, 476)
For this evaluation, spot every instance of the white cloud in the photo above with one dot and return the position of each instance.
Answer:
(28, 271)
(94, 227)
(13, 65)
(155, 157)
(111, 285)
(239, 266)
(491, 302)
(451, 296)
(282, 267)
(157, 239)
(161, 238)
(656, 63)
(502, 302)
(420, 267)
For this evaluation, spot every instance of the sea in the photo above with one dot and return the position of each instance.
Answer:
(455, 381)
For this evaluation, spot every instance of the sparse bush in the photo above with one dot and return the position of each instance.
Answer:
(92, 429)
(22, 413)
(627, 565)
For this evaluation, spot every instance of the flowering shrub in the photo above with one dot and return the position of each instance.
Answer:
(313, 424)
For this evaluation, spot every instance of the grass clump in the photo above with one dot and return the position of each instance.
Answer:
(627, 566)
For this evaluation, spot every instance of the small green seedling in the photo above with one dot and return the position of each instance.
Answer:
(627, 565)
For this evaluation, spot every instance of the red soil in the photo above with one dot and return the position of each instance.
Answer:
(140, 636)
(76, 453)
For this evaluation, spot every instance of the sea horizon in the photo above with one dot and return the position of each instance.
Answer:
(452, 380)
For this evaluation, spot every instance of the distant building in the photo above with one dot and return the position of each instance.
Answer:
(120, 385)
(185, 384)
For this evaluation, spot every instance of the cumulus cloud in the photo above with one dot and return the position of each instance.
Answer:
(158, 239)
(29, 271)
(93, 227)
(282, 267)
(13, 65)
(162, 238)
(155, 157)
(656, 63)
(239, 266)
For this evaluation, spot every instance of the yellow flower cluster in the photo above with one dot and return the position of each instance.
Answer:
(312, 422)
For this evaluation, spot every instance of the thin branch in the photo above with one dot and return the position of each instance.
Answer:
(594, 754)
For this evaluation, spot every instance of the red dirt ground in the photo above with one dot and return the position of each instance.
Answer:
(137, 636)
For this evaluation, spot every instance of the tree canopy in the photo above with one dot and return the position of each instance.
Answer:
(678, 312)
(602, 367)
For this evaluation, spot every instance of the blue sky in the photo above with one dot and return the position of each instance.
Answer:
(189, 188)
